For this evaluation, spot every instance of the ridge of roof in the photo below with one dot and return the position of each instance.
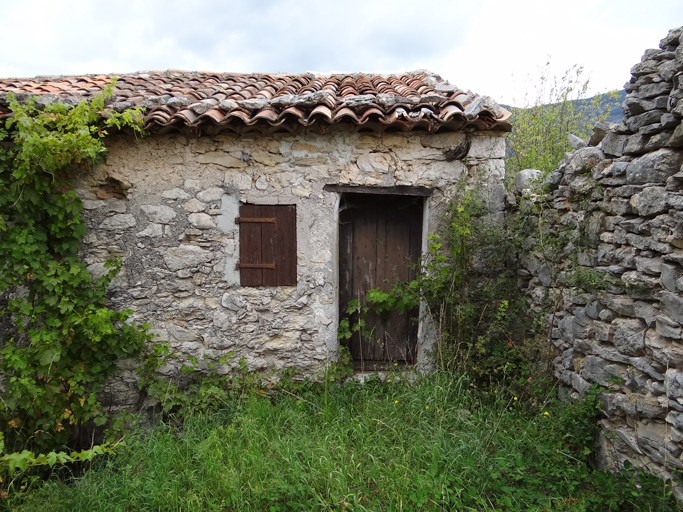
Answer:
(176, 99)
(312, 74)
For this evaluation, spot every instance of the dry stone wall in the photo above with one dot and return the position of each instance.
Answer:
(618, 201)
(167, 205)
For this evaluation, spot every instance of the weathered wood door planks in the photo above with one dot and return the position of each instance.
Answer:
(379, 244)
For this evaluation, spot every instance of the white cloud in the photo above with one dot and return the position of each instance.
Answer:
(478, 47)
(515, 38)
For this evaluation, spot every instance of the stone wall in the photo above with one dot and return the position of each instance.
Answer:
(167, 205)
(618, 198)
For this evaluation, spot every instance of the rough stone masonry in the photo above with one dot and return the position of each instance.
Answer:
(167, 205)
(623, 190)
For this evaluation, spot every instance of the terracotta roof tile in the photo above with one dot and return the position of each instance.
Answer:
(177, 99)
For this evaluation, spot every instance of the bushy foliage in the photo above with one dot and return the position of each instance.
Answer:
(481, 315)
(548, 115)
(65, 339)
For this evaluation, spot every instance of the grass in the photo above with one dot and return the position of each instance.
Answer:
(435, 444)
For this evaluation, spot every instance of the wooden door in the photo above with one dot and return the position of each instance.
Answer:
(380, 238)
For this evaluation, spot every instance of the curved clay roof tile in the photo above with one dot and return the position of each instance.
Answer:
(321, 110)
(214, 114)
(374, 111)
(161, 114)
(239, 114)
(293, 111)
(449, 111)
(267, 114)
(345, 112)
(189, 116)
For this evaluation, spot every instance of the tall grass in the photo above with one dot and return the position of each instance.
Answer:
(435, 444)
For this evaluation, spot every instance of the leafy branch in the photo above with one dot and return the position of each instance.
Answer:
(63, 339)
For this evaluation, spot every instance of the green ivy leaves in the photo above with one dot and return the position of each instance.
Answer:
(65, 339)
(27, 459)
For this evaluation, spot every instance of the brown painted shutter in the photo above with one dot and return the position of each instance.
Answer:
(267, 245)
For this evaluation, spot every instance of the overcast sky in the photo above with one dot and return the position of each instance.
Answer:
(478, 45)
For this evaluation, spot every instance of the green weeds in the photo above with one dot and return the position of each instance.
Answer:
(435, 444)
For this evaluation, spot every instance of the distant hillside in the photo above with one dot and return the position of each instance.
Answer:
(539, 137)
(613, 106)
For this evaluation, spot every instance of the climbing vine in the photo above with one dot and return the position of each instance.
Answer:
(61, 339)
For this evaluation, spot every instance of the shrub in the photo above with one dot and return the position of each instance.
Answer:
(556, 108)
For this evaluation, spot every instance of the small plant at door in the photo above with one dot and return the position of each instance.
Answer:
(384, 303)
(348, 329)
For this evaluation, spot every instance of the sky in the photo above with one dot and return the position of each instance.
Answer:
(492, 47)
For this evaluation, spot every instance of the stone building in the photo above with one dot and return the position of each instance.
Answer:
(259, 205)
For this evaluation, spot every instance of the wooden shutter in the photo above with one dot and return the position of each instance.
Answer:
(267, 245)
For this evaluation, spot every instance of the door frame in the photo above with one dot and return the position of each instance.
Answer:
(426, 330)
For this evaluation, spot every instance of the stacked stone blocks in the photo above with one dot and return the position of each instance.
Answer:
(620, 194)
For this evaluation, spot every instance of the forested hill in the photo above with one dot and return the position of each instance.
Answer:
(606, 104)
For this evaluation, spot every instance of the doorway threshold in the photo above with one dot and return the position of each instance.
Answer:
(362, 371)
(381, 366)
